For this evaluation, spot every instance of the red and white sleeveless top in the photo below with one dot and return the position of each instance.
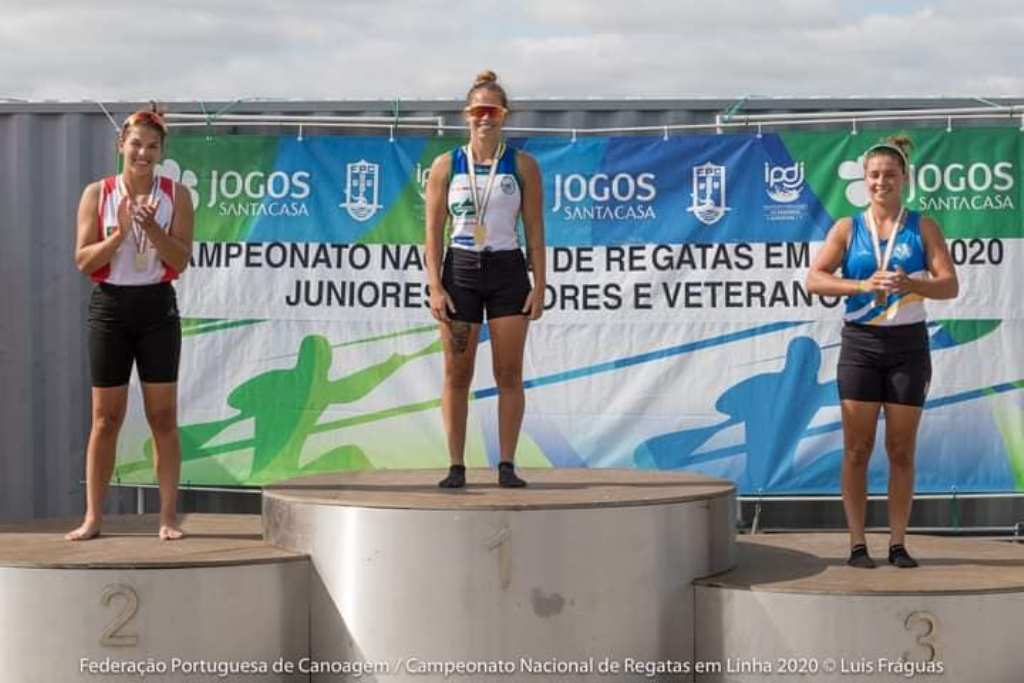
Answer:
(129, 266)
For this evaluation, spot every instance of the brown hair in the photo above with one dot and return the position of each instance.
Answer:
(487, 80)
(895, 146)
(151, 118)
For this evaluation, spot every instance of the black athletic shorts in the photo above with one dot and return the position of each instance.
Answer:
(133, 324)
(885, 364)
(495, 281)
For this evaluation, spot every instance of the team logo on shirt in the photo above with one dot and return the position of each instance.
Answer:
(508, 185)
(901, 251)
(362, 190)
(709, 204)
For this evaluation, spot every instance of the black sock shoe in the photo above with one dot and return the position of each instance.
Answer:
(899, 557)
(456, 478)
(859, 557)
(507, 476)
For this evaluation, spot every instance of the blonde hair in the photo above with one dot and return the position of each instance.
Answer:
(487, 80)
(895, 146)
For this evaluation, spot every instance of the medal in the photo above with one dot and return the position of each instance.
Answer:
(882, 298)
(480, 205)
(140, 261)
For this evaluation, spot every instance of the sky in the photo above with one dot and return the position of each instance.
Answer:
(431, 49)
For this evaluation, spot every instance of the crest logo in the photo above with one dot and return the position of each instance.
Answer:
(709, 193)
(901, 251)
(784, 183)
(362, 190)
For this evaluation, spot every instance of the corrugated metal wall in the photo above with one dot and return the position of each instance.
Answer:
(50, 151)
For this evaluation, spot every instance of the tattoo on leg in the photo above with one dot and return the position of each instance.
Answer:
(460, 336)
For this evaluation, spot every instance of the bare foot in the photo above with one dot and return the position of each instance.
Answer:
(89, 529)
(171, 532)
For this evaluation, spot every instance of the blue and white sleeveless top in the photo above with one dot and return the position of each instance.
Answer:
(502, 214)
(859, 263)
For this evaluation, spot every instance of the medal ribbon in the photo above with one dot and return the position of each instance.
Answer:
(883, 262)
(480, 206)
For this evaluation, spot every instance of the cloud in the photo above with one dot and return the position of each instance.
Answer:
(363, 49)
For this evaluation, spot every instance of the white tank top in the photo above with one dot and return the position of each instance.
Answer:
(502, 214)
(123, 268)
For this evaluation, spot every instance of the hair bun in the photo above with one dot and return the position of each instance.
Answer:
(485, 77)
(901, 142)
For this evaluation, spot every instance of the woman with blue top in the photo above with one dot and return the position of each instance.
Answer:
(483, 189)
(892, 260)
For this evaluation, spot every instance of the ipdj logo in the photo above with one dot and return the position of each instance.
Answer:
(784, 183)
(171, 169)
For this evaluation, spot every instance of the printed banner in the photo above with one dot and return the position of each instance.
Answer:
(678, 331)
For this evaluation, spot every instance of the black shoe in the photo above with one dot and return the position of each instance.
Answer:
(859, 557)
(507, 476)
(456, 478)
(899, 557)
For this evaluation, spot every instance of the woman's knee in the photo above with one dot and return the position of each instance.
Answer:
(508, 378)
(458, 376)
(163, 419)
(900, 452)
(857, 452)
(107, 422)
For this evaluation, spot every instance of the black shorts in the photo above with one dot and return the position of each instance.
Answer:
(133, 324)
(885, 364)
(495, 281)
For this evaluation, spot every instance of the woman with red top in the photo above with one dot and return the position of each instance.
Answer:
(134, 237)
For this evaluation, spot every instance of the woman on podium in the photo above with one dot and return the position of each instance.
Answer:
(484, 188)
(891, 260)
(134, 237)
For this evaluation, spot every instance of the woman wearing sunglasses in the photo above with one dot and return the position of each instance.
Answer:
(891, 260)
(483, 189)
(134, 237)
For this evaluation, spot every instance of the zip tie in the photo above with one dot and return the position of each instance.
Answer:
(853, 126)
(440, 126)
(759, 130)
(118, 128)
(397, 101)
(391, 133)
(223, 110)
(949, 124)
(300, 133)
(1022, 122)
(573, 135)
(665, 136)
(207, 119)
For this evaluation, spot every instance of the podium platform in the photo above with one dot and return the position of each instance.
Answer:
(218, 598)
(381, 576)
(581, 565)
(792, 605)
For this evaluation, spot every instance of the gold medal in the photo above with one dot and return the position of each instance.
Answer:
(480, 203)
(141, 261)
